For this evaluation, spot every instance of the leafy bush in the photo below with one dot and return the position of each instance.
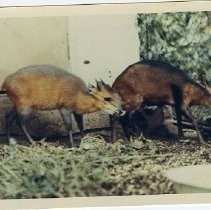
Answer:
(183, 39)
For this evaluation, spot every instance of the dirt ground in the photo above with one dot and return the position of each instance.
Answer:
(95, 167)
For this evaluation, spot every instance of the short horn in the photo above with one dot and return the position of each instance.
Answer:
(98, 85)
(103, 83)
(91, 87)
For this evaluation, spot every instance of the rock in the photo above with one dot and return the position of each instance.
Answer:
(154, 122)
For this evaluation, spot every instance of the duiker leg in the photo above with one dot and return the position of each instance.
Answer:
(67, 119)
(188, 114)
(113, 121)
(9, 119)
(179, 122)
(22, 118)
(177, 95)
(79, 121)
(125, 122)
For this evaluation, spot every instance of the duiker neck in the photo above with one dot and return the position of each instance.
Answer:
(86, 103)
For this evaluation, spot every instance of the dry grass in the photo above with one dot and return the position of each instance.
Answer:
(96, 168)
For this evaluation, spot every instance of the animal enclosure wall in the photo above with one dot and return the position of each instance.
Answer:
(27, 41)
(102, 46)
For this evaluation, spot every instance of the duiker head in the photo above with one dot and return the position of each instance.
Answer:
(206, 84)
(107, 100)
(202, 80)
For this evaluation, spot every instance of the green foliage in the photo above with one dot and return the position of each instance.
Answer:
(183, 39)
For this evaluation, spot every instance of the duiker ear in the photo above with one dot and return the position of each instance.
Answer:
(202, 79)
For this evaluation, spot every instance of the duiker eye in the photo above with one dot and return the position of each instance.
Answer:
(108, 99)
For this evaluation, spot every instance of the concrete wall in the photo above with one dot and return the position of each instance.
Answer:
(26, 41)
(109, 42)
